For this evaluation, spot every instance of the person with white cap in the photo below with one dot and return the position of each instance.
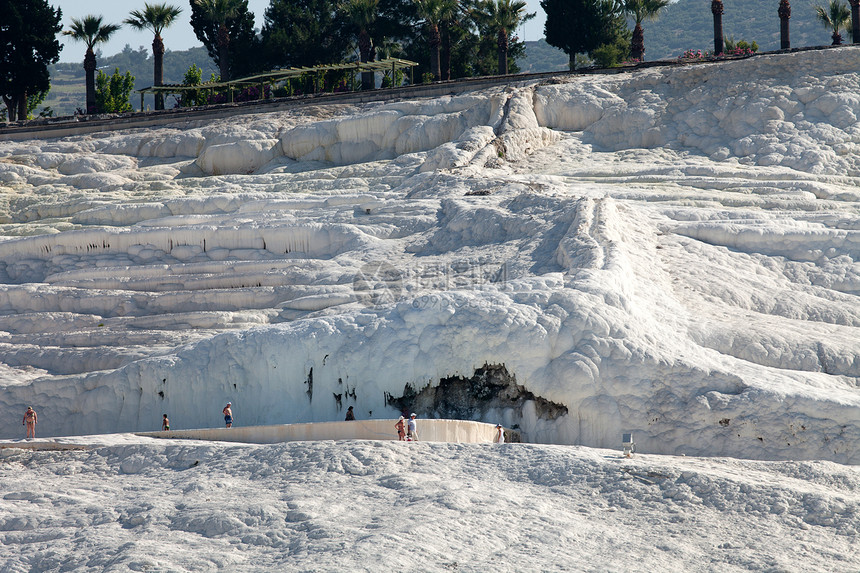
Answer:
(412, 429)
(500, 435)
(228, 414)
(401, 430)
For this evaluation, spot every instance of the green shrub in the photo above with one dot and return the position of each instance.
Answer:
(193, 77)
(112, 93)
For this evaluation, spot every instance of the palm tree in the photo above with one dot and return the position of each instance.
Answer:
(91, 31)
(784, 12)
(449, 21)
(717, 11)
(362, 15)
(155, 17)
(855, 20)
(432, 12)
(220, 12)
(834, 17)
(502, 17)
(641, 10)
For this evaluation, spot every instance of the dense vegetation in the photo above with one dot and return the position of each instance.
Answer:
(28, 44)
(67, 78)
(682, 25)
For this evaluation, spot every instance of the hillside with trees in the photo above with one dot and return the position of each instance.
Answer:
(67, 78)
(682, 25)
(541, 57)
(688, 24)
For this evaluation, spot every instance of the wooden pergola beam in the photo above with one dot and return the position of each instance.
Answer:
(274, 76)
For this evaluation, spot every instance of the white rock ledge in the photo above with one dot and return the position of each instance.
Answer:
(456, 431)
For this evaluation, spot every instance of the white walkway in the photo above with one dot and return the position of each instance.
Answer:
(462, 431)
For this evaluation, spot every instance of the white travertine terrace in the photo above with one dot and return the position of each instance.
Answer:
(672, 252)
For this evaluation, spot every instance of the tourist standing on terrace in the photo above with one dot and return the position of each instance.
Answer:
(401, 429)
(228, 414)
(350, 415)
(500, 434)
(412, 429)
(30, 420)
(165, 423)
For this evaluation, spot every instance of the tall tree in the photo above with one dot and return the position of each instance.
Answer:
(855, 20)
(501, 17)
(155, 17)
(432, 12)
(396, 21)
(579, 26)
(361, 14)
(834, 16)
(28, 36)
(717, 11)
(226, 28)
(303, 33)
(451, 28)
(91, 31)
(784, 12)
(641, 10)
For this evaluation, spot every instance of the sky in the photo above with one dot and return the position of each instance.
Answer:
(180, 36)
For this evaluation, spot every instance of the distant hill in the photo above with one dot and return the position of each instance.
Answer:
(67, 79)
(688, 24)
(541, 57)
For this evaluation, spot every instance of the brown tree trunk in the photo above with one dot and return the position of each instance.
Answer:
(22, 105)
(11, 108)
(502, 43)
(717, 11)
(224, 53)
(90, 72)
(445, 54)
(837, 39)
(158, 69)
(637, 46)
(365, 47)
(435, 42)
(855, 21)
(784, 16)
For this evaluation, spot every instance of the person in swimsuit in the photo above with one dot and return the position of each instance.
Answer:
(228, 415)
(30, 420)
(350, 415)
(165, 423)
(401, 429)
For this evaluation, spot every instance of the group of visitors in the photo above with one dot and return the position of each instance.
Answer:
(407, 430)
(227, 411)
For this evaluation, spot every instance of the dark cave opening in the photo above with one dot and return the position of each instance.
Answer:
(492, 388)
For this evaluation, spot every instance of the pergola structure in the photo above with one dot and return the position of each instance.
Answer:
(387, 65)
